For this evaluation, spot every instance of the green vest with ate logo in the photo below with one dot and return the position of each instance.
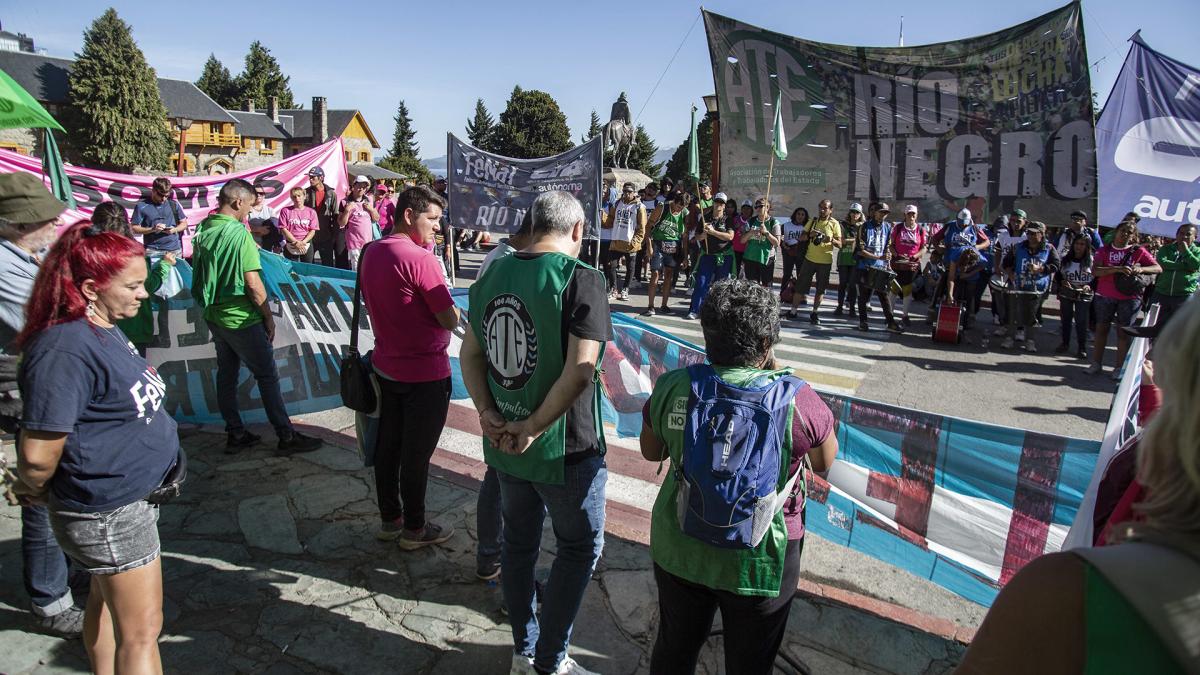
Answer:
(516, 315)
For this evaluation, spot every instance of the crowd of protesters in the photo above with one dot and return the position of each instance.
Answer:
(98, 452)
(665, 238)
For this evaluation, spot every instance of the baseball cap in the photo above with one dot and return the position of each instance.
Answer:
(440, 179)
(629, 186)
(1018, 212)
(856, 207)
(316, 171)
(25, 199)
(965, 215)
(883, 206)
(381, 188)
(720, 197)
(911, 208)
(361, 179)
(1079, 214)
(705, 183)
(1035, 226)
(747, 203)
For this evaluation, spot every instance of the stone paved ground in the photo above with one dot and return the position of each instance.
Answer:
(270, 566)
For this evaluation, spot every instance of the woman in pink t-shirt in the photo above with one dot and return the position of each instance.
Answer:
(298, 225)
(386, 208)
(1122, 258)
(357, 217)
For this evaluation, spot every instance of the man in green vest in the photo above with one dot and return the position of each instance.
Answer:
(531, 362)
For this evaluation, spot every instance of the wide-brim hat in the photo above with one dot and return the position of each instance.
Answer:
(25, 199)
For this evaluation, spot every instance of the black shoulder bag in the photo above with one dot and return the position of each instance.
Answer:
(357, 391)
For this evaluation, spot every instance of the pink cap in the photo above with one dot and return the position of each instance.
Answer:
(911, 208)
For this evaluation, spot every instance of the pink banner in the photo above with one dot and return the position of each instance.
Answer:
(196, 194)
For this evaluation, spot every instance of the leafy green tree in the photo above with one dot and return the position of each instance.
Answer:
(481, 127)
(677, 166)
(117, 120)
(404, 155)
(532, 125)
(263, 78)
(218, 83)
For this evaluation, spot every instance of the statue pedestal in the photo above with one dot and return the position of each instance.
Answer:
(621, 176)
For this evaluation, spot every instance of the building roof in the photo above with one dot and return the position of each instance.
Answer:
(256, 125)
(338, 121)
(372, 171)
(45, 78)
(184, 99)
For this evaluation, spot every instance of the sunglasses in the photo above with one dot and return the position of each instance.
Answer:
(260, 192)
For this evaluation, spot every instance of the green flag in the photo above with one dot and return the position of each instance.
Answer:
(53, 167)
(19, 110)
(693, 150)
(779, 145)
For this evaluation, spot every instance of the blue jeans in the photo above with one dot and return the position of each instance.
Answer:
(489, 519)
(248, 345)
(708, 273)
(576, 511)
(1075, 312)
(46, 566)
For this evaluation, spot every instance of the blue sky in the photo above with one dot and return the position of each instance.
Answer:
(440, 56)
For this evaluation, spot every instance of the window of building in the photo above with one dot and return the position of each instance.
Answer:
(347, 153)
(188, 165)
(364, 156)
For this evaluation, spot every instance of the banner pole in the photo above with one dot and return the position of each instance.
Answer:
(448, 235)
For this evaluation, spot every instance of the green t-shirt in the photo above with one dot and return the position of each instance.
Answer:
(759, 248)
(845, 254)
(756, 571)
(671, 226)
(223, 251)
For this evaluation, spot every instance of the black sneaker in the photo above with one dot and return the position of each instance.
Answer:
(298, 442)
(895, 327)
(1081, 355)
(67, 623)
(814, 319)
(487, 570)
(862, 325)
(838, 312)
(432, 533)
(235, 443)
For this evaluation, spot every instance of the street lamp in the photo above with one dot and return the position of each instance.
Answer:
(710, 104)
(183, 124)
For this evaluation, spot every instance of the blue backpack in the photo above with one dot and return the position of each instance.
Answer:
(729, 472)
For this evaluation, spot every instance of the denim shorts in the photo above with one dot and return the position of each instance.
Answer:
(110, 542)
(1125, 311)
(660, 259)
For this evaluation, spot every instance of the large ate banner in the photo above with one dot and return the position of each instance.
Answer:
(491, 192)
(196, 194)
(1148, 139)
(990, 123)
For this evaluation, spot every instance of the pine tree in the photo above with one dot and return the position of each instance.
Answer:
(261, 79)
(594, 127)
(217, 83)
(641, 155)
(117, 120)
(532, 125)
(404, 156)
(480, 128)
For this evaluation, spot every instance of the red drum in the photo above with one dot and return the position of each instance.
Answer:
(948, 327)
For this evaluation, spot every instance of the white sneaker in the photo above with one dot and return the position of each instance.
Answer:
(1030, 347)
(691, 316)
(1020, 335)
(521, 665)
(1094, 368)
(625, 294)
(568, 666)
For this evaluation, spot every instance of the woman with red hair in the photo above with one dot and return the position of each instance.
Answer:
(96, 443)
